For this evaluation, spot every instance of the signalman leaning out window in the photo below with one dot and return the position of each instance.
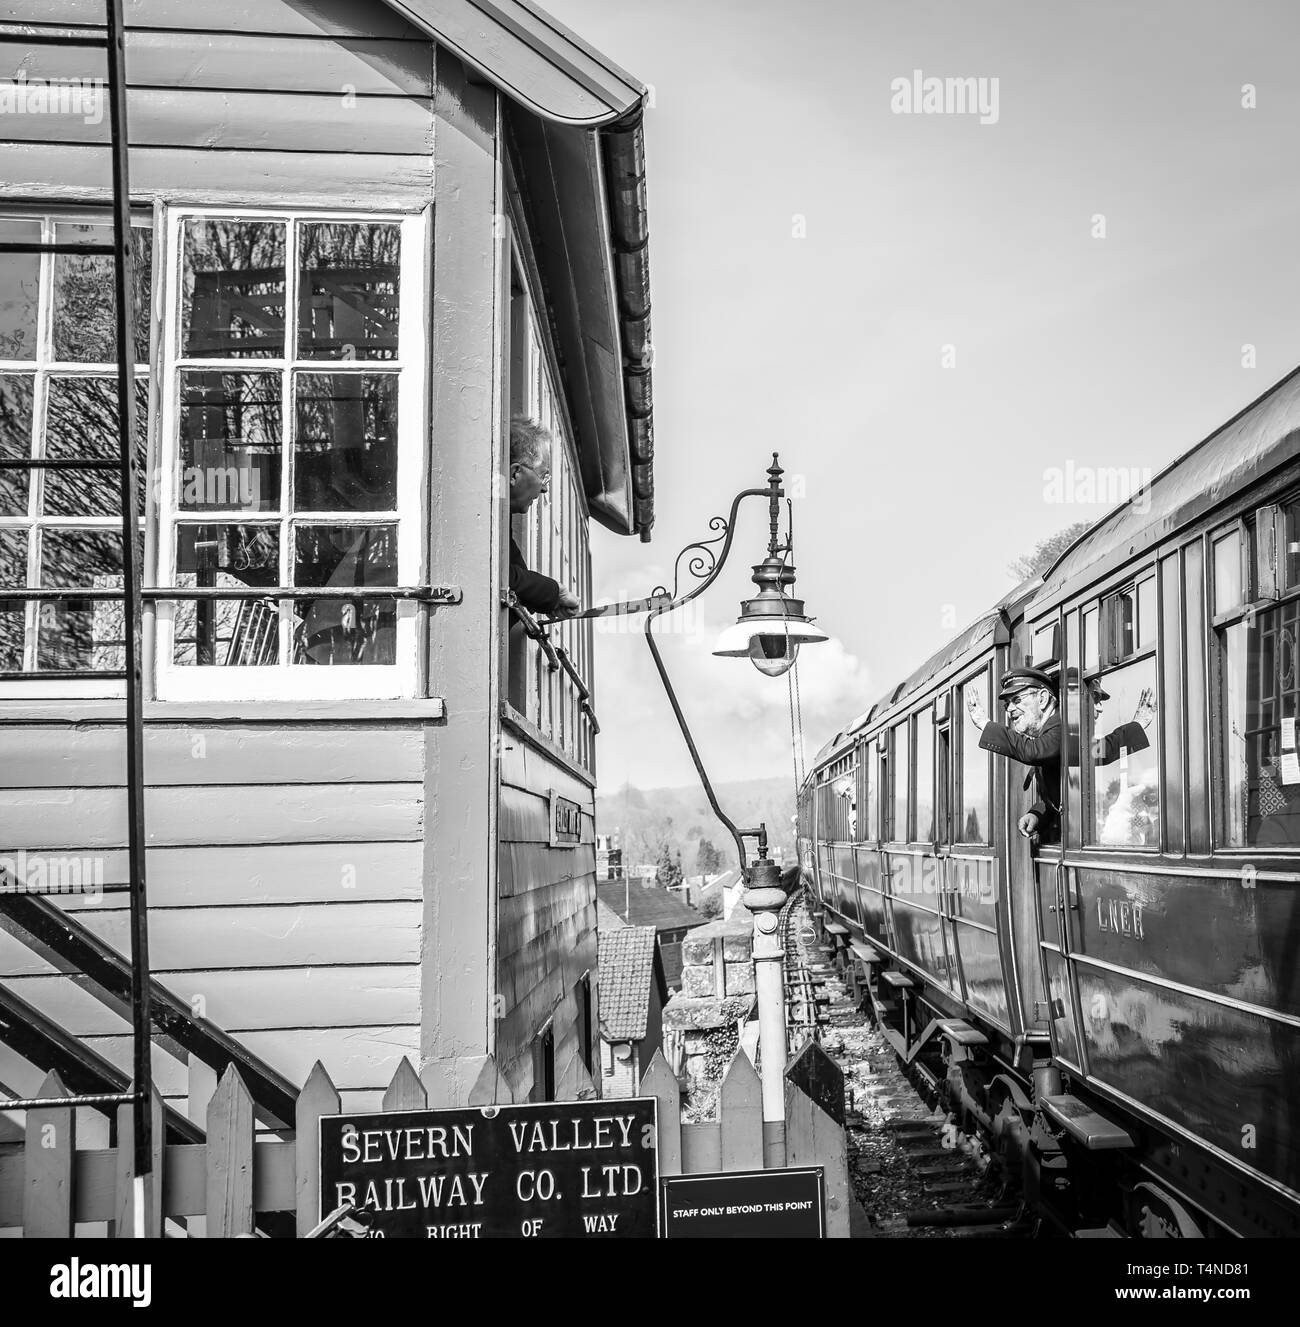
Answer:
(530, 477)
(1031, 735)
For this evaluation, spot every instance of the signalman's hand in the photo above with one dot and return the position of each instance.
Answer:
(568, 604)
(1028, 825)
(975, 708)
(1146, 709)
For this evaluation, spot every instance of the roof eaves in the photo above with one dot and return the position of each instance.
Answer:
(535, 60)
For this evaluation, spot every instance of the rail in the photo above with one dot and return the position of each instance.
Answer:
(557, 657)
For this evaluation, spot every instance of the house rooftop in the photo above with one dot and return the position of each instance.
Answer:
(647, 905)
(627, 960)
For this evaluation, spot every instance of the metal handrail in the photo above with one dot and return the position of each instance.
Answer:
(442, 594)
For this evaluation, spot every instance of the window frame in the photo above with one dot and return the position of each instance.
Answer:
(554, 534)
(969, 734)
(1106, 604)
(1255, 600)
(914, 720)
(285, 680)
(900, 768)
(82, 684)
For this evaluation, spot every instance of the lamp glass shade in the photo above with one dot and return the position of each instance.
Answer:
(737, 640)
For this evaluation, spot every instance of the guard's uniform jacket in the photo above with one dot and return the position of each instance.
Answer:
(1127, 737)
(1043, 753)
(537, 593)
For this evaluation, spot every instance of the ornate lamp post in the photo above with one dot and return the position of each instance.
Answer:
(771, 628)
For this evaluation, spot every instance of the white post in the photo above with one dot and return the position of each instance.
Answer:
(765, 898)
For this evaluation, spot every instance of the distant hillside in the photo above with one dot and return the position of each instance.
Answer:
(646, 819)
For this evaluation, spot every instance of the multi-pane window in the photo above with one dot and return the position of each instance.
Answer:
(1259, 681)
(552, 536)
(60, 495)
(1118, 712)
(292, 452)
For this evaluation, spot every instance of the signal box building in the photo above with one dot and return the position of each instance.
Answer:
(367, 235)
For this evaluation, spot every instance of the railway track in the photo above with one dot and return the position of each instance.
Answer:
(912, 1172)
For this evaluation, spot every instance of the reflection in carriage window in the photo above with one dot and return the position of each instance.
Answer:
(1125, 765)
(1261, 704)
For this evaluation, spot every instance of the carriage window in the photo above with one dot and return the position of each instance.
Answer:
(1227, 573)
(866, 793)
(1045, 645)
(898, 827)
(60, 525)
(296, 414)
(1261, 705)
(1125, 767)
(924, 777)
(844, 805)
(1146, 613)
(942, 782)
(1091, 647)
(973, 813)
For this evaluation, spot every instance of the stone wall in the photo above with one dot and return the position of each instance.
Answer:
(717, 993)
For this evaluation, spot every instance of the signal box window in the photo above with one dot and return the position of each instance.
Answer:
(292, 431)
(973, 818)
(60, 522)
(1118, 712)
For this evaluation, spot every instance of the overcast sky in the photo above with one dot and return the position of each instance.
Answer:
(813, 252)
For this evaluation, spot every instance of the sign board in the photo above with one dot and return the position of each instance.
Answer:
(566, 821)
(746, 1204)
(554, 1169)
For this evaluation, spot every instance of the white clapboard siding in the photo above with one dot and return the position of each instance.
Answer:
(260, 874)
(247, 121)
(79, 818)
(361, 1057)
(94, 755)
(194, 939)
(357, 67)
(244, 1002)
(320, 18)
(348, 180)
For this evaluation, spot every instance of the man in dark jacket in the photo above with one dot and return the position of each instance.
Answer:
(530, 477)
(1032, 736)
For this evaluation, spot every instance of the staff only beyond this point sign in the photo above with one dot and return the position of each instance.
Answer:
(554, 1169)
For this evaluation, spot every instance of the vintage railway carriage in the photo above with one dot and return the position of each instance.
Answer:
(368, 233)
(1156, 945)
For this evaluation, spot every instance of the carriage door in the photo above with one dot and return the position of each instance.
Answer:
(1021, 914)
